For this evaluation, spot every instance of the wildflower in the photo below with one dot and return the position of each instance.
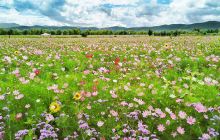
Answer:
(200, 108)
(114, 113)
(18, 116)
(16, 52)
(117, 60)
(191, 120)
(54, 107)
(2, 135)
(32, 75)
(173, 116)
(94, 93)
(49, 117)
(160, 128)
(77, 96)
(205, 136)
(20, 96)
(89, 55)
(180, 130)
(86, 72)
(27, 106)
(37, 72)
(168, 122)
(20, 134)
(182, 114)
(100, 123)
(174, 134)
(2, 97)
(146, 113)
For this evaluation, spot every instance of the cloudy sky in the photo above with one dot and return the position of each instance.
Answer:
(105, 13)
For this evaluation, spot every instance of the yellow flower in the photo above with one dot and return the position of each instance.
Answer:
(77, 96)
(55, 107)
(16, 52)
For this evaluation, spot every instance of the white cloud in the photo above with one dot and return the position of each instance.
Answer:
(104, 13)
(13, 16)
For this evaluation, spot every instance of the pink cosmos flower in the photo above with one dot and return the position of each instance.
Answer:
(32, 75)
(114, 113)
(123, 103)
(182, 114)
(162, 115)
(86, 72)
(179, 100)
(191, 120)
(2, 97)
(200, 108)
(174, 134)
(146, 113)
(114, 96)
(205, 136)
(173, 116)
(94, 93)
(49, 117)
(160, 128)
(180, 130)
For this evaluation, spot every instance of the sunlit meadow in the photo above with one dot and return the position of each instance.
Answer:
(123, 88)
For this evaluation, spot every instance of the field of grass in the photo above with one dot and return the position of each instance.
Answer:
(110, 88)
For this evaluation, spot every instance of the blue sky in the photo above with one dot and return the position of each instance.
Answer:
(105, 13)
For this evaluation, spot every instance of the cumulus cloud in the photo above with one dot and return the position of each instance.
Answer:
(105, 13)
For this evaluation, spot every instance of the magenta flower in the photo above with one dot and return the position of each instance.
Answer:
(191, 120)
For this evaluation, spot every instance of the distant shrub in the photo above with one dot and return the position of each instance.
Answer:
(84, 34)
(150, 32)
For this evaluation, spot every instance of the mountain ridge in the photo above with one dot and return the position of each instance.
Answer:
(202, 25)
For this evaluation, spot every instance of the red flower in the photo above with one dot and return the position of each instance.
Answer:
(89, 55)
(117, 60)
(94, 88)
(37, 72)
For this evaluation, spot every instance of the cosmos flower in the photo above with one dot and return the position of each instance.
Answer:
(16, 52)
(180, 130)
(160, 127)
(18, 116)
(55, 107)
(77, 96)
(114, 113)
(49, 117)
(200, 108)
(191, 120)
(100, 123)
(182, 114)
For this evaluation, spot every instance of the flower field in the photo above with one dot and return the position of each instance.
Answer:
(110, 88)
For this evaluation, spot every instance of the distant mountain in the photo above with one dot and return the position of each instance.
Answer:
(115, 28)
(8, 25)
(203, 25)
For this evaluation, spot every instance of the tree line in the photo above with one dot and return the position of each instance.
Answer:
(84, 33)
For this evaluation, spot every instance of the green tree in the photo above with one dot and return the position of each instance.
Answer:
(150, 32)
(10, 32)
